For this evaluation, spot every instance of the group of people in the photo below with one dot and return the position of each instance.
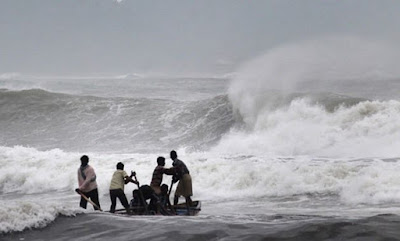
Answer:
(156, 191)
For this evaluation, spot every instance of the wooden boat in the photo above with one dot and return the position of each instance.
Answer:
(176, 210)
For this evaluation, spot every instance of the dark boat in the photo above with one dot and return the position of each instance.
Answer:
(181, 209)
(176, 210)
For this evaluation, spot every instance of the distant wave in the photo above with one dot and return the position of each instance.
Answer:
(9, 76)
(108, 76)
(161, 87)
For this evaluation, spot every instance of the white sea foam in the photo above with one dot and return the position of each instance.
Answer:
(25, 213)
(362, 181)
(369, 128)
(29, 171)
(36, 194)
(228, 175)
(37, 186)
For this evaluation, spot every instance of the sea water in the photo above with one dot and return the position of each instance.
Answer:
(299, 152)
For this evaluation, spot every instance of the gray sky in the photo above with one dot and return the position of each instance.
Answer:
(179, 36)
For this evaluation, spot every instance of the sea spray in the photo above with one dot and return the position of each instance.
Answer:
(345, 65)
(320, 97)
(367, 129)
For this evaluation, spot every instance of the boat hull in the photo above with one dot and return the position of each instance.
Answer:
(176, 210)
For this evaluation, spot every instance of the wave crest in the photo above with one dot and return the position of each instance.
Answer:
(75, 122)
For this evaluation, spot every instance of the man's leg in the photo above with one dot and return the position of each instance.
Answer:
(113, 201)
(155, 203)
(187, 191)
(178, 192)
(189, 201)
(176, 199)
(188, 204)
(123, 200)
(94, 196)
(83, 202)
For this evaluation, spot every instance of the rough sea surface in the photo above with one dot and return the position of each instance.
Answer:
(316, 160)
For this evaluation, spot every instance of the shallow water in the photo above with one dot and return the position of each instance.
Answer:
(281, 227)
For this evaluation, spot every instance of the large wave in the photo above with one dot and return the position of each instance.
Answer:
(367, 129)
(49, 120)
(332, 96)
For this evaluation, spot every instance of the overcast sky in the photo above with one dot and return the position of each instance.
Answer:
(180, 36)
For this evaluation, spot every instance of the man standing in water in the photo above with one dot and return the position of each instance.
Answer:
(87, 184)
(185, 180)
(118, 181)
(158, 172)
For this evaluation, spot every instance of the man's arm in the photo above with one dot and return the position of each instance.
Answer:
(169, 171)
(128, 179)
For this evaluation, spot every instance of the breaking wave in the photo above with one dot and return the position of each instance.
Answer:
(329, 97)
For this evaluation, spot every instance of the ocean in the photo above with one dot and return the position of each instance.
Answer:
(316, 161)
